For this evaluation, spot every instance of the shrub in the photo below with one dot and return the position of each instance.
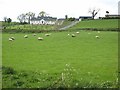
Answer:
(8, 70)
(18, 83)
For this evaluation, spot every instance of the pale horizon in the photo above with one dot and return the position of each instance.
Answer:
(56, 8)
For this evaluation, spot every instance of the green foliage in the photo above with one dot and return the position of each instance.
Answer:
(65, 79)
(9, 20)
(8, 70)
(6, 24)
(71, 19)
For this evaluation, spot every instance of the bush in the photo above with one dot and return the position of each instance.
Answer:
(71, 19)
(8, 70)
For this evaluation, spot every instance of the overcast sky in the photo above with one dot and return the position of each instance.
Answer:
(56, 8)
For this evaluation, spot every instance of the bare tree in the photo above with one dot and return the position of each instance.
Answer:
(21, 18)
(94, 12)
(30, 15)
(5, 19)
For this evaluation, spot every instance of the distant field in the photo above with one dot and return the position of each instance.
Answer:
(31, 27)
(18, 26)
(100, 24)
(105, 24)
(93, 59)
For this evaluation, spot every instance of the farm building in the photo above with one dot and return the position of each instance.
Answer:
(43, 20)
(84, 17)
(112, 15)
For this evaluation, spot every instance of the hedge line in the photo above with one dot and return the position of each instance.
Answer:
(99, 29)
(41, 31)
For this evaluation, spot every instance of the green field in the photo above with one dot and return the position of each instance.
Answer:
(99, 24)
(94, 60)
(17, 26)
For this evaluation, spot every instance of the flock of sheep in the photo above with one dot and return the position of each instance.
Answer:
(26, 36)
(41, 38)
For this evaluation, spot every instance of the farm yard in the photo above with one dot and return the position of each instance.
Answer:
(90, 59)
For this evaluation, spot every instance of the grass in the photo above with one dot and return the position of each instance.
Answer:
(0, 60)
(99, 24)
(94, 59)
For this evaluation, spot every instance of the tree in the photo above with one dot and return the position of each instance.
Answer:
(66, 16)
(22, 18)
(94, 12)
(42, 14)
(71, 19)
(30, 15)
(107, 12)
(9, 20)
(5, 19)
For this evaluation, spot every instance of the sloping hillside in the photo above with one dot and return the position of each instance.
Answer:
(99, 24)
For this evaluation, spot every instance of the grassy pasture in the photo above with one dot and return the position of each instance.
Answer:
(99, 24)
(92, 58)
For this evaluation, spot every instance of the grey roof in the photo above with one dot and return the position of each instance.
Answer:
(85, 17)
(113, 15)
(45, 18)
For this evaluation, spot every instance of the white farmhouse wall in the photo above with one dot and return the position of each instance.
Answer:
(43, 22)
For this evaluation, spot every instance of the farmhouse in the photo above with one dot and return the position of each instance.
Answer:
(43, 20)
(84, 17)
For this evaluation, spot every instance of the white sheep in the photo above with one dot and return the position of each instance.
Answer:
(10, 39)
(73, 35)
(40, 38)
(98, 31)
(47, 34)
(68, 34)
(97, 37)
(34, 34)
(26, 36)
(77, 32)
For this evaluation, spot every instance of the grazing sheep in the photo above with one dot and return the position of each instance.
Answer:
(26, 36)
(98, 31)
(77, 32)
(47, 34)
(68, 34)
(73, 35)
(34, 34)
(97, 37)
(10, 39)
(40, 38)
